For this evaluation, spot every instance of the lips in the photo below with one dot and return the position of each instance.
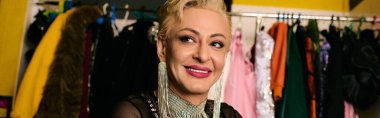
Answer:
(198, 71)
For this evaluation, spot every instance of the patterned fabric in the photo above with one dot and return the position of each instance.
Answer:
(263, 55)
(321, 90)
(183, 109)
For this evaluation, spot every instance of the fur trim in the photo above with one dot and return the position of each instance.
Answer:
(63, 90)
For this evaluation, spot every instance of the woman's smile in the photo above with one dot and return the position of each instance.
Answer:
(198, 71)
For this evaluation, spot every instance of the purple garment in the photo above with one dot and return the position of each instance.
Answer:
(324, 55)
(321, 95)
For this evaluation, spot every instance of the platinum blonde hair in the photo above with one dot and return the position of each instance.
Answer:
(171, 12)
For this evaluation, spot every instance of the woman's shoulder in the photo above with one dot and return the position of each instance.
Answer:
(135, 106)
(226, 111)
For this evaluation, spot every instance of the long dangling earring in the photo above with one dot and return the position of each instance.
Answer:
(218, 89)
(163, 103)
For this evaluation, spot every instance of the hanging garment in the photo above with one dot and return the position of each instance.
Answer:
(301, 37)
(368, 36)
(279, 33)
(106, 58)
(321, 90)
(31, 89)
(295, 101)
(63, 89)
(240, 88)
(362, 70)
(313, 64)
(263, 53)
(84, 108)
(349, 111)
(334, 105)
(35, 33)
(139, 61)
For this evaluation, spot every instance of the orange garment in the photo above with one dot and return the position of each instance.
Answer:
(310, 57)
(279, 33)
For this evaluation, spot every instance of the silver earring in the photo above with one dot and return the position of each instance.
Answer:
(163, 103)
(218, 90)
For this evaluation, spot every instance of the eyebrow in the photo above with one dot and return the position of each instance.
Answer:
(197, 33)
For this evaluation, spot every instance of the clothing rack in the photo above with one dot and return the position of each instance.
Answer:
(54, 3)
(132, 9)
(327, 18)
(262, 15)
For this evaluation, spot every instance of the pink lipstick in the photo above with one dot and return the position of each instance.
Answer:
(198, 71)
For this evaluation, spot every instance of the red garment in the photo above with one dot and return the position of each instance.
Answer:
(84, 110)
(279, 33)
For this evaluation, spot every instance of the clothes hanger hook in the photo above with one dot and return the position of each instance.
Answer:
(374, 22)
(332, 20)
(126, 12)
(105, 6)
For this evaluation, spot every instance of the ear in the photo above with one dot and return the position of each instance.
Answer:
(161, 48)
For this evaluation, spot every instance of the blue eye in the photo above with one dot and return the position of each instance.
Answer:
(217, 44)
(186, 39)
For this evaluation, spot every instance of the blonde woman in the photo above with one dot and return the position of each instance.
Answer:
(193, 41)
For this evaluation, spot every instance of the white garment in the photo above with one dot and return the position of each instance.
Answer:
(263, 54)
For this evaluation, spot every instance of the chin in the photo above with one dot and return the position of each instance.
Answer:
(201, 89)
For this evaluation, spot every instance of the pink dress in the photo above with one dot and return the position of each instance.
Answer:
(349, 111)
(240, 87)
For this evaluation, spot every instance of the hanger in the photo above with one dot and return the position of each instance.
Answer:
(239, 25)
(362, 19)
(105, 6)
(374, 22)
(332, 20)
(126, 13)
(113, 20)
(292, 19)
(287, 18)
(278, 17)
(259, 23)
(339, 21)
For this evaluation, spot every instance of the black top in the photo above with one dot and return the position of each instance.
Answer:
(145, 105)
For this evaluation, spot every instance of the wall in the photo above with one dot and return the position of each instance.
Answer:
(12, 22)
(329, 5)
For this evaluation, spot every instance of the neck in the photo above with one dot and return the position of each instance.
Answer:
(194, 99)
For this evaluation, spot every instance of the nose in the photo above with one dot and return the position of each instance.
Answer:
(202, 53)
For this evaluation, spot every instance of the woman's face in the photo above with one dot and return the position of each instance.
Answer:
(195, 50)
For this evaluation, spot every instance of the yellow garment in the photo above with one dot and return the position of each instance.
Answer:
(30, 93)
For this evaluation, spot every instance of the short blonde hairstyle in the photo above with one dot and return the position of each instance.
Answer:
(174, 9)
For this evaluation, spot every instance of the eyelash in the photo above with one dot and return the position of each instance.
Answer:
(221, 45)
(186, 39)
(190, 39)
